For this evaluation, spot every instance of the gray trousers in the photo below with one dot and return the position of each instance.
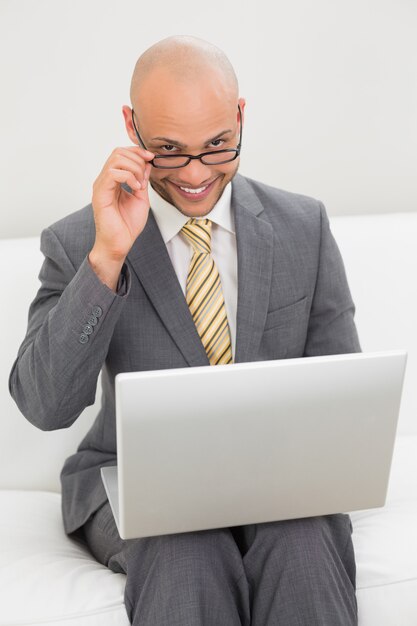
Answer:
(291, 573)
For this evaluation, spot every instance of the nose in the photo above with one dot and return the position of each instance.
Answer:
(195, 173)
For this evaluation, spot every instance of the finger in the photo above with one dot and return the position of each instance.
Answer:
(147, 154)
(120, 162)
(124, 176)
(135, 152)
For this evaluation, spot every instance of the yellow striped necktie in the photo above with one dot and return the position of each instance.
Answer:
(204, 294)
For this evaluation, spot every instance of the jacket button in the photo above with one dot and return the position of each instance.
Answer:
(92, 320)
(97, 311)
(87, 330)
(83, 338)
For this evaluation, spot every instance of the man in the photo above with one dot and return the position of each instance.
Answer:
(221, 269)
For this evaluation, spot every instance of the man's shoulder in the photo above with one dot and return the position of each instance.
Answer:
(75, 233)
(280, 202)
(80, 220)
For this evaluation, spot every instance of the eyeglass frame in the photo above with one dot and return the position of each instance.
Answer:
(191, 157)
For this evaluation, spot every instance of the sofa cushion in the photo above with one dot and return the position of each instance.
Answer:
(385, 542)
(47, 578)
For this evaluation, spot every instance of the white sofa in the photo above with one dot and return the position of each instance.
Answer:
(47, 579)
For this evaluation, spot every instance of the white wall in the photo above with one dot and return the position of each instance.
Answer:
(331, 90)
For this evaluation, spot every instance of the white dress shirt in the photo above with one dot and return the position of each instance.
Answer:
(223, 246)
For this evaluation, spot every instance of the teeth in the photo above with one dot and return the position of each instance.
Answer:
(200, 190)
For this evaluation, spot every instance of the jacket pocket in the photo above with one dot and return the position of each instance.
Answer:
(286, 315)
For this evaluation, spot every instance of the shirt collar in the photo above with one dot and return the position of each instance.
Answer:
(170, 220)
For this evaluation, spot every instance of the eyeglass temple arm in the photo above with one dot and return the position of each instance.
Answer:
(239, 145)
(137, 132)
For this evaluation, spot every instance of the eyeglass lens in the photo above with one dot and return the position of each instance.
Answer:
(209, 159)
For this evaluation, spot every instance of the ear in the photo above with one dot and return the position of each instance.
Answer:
(242, 104)
(127, 114)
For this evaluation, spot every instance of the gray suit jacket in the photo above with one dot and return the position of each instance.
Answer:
(293, 301)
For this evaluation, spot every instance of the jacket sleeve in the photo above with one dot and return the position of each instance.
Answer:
(70, 326)
(331, 328)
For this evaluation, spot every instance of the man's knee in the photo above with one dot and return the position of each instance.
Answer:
(312, 540)
(308, 532)
(188, 569)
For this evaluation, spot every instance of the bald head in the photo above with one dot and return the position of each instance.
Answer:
(185, 59)
(185, 101)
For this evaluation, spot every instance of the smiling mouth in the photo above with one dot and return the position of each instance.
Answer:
(194, 193)
(198, 190)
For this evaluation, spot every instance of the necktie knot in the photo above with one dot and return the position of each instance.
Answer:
(198, 234)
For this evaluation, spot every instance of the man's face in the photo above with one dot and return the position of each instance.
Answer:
(175, 118)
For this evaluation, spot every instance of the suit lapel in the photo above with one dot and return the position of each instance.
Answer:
(150, 261)
(254, 238)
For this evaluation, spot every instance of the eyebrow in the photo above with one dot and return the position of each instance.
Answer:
(175, 142)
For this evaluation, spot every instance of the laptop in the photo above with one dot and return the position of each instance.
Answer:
(211, 447)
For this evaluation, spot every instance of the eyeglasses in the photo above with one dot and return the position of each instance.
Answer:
(174, 161)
